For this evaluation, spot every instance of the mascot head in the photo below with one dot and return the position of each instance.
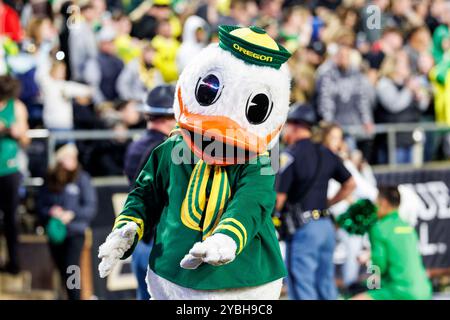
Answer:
(232, 100)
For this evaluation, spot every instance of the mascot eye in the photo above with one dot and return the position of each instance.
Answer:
(258, 108)
(208, 90)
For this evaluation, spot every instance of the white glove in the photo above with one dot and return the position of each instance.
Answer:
(217, 250)
(117, 243)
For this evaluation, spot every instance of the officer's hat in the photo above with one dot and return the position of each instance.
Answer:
(159, 101)
(253, 45)
(302, 114)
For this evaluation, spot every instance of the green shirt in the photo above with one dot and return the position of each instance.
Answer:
(9, 147)
(245, 216)
(395, 252)
(440, 34)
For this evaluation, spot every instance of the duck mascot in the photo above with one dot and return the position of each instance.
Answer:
(208, 190)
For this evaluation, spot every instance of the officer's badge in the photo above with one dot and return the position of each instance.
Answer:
(285, 160)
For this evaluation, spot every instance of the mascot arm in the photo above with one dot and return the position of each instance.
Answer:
(249, 208)
(130, 225)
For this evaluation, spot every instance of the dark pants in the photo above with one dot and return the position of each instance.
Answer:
(65, 255)
(9, 200)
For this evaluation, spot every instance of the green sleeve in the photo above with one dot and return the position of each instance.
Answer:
(440, 71)
(146, 201)
(439, 35)
(251, 204)
(378, 249)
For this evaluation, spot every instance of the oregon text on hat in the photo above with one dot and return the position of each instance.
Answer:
(252, 54)
(252, 45)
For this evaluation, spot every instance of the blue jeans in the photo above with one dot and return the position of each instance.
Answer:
(139, 265)
(309, 259)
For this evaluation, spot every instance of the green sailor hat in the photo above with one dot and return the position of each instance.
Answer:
(253, 45)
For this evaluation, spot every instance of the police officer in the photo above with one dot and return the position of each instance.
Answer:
(158, 112)
(302, 183)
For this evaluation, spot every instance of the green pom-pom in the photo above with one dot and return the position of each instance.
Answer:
(359, 217)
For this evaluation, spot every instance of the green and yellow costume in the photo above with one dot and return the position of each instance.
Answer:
(192, 200)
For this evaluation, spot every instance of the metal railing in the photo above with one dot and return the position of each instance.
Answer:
(418, 131)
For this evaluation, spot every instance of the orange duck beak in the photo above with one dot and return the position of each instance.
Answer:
(198, 128)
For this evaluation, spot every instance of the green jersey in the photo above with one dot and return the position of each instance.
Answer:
(441, 34)
(190, 201)
(9, 147)
(395, 252)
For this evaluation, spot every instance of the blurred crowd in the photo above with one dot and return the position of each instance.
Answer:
(89, 64)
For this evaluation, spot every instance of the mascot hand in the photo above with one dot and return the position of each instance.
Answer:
(117, 243)
(217, 250)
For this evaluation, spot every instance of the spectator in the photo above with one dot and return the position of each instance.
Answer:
(129, 114)
(441, 36)
(127, 47)
(82, 51)
(402, 15)
(417, 48)
(343, 95)
(271, 8)
(391, 41)
(139, 76)
(57, 94)
(315, 53)
(434, 14)
(209, 12)
(146, 26)
(10, 23)
(296, 28)
(13, 134)
(102, 71)
(241, 13)
(195, 37)
(332, 136)
(302, 90)
(401, 99)
(67, 198)
(166, 47)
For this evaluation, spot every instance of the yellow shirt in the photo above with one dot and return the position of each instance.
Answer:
(165, 57)
(127, 50)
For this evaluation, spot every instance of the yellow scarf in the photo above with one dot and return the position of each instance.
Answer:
(198, 212)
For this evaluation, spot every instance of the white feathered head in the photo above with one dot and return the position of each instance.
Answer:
(236, 93)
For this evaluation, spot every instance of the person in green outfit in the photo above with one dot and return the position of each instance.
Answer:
(395, 254)
(13, 129)
(441, 36)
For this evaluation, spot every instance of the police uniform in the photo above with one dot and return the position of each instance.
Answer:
(140, 150)
(309, 252)
(159, 104)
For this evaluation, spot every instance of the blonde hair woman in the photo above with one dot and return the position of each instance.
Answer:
(400, 99)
